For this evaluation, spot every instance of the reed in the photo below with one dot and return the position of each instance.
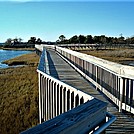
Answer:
(19, 95)
(119, 55)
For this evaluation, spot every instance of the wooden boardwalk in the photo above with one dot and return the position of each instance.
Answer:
(63, 71)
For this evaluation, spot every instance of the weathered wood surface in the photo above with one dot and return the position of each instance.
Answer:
(63, 71)
(81, 119)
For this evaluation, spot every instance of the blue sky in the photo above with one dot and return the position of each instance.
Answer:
(48, 20)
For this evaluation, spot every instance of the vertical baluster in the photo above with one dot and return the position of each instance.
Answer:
(51, 101)
(43, 97)
(59, 99)
(129, 93)
(121, 94)
(116, 89)
(74, 100)
(70, 100)
(66, 100)
(96, 74)
(39, 77)
(132, 93)
(54, 104)
(56, 100)
(63, 100)
(46, 100)
(125, 93)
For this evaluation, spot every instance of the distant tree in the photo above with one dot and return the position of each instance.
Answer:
(20, 40)
(82, 39)
(89, 39)
(58, 41)
(32, 40)
(62, 38)
(96, 39)
(39, 41)
(74, 39)
(8, 42)
(121, 40)
(15, 41)
(103, 39)
(115, 41)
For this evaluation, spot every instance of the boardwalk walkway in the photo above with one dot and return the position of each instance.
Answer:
(63, 71)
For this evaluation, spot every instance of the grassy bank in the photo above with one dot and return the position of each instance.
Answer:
(29, 49)
(119, 55)
(19, 95)
(26, 59)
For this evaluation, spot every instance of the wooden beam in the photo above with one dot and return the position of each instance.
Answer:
(81, 119)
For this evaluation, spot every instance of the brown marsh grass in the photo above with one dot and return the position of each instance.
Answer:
(19, 96)
(119, 55)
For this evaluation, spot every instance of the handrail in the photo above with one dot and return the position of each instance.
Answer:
(118, 69)
(120, 85)
(55, 96)
(49, 85)
(111, 119)
(82, 119)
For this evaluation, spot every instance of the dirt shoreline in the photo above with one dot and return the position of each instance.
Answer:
(25, 59)
(21, 49)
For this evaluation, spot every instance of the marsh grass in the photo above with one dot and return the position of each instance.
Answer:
(120, 55)
(19, 96)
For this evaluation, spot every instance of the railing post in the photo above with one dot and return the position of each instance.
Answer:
(96, 77)
(39, 75)
(53, 96)
(121, 93)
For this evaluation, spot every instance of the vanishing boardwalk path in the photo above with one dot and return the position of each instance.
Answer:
(63, 71)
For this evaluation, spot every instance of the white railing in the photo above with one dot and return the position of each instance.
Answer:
(56, 97)
(64, 109)
(114, 80)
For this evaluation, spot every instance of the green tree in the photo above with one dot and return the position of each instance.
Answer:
(15, 41)
(39, 41)
(89, 39)
(96, 39)
(32, 40)
(103, 39)
(62, 38)
(74, 39)
(20, 40)
(8, 42)
(121, 39)
(82, 39)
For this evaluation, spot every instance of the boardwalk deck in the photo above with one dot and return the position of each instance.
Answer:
(63, 71)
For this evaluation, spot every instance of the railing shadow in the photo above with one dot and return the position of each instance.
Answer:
(52, 68)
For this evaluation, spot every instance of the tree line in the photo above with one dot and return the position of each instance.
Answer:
(17, 42)
(76, 39)
(89, 39)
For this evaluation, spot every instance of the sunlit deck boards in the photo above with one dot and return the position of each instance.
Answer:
(63, 71)
(81, 119)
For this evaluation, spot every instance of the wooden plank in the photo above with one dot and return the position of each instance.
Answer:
(81, 119)
(122, 118)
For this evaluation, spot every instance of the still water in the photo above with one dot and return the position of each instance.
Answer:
(9, 54)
